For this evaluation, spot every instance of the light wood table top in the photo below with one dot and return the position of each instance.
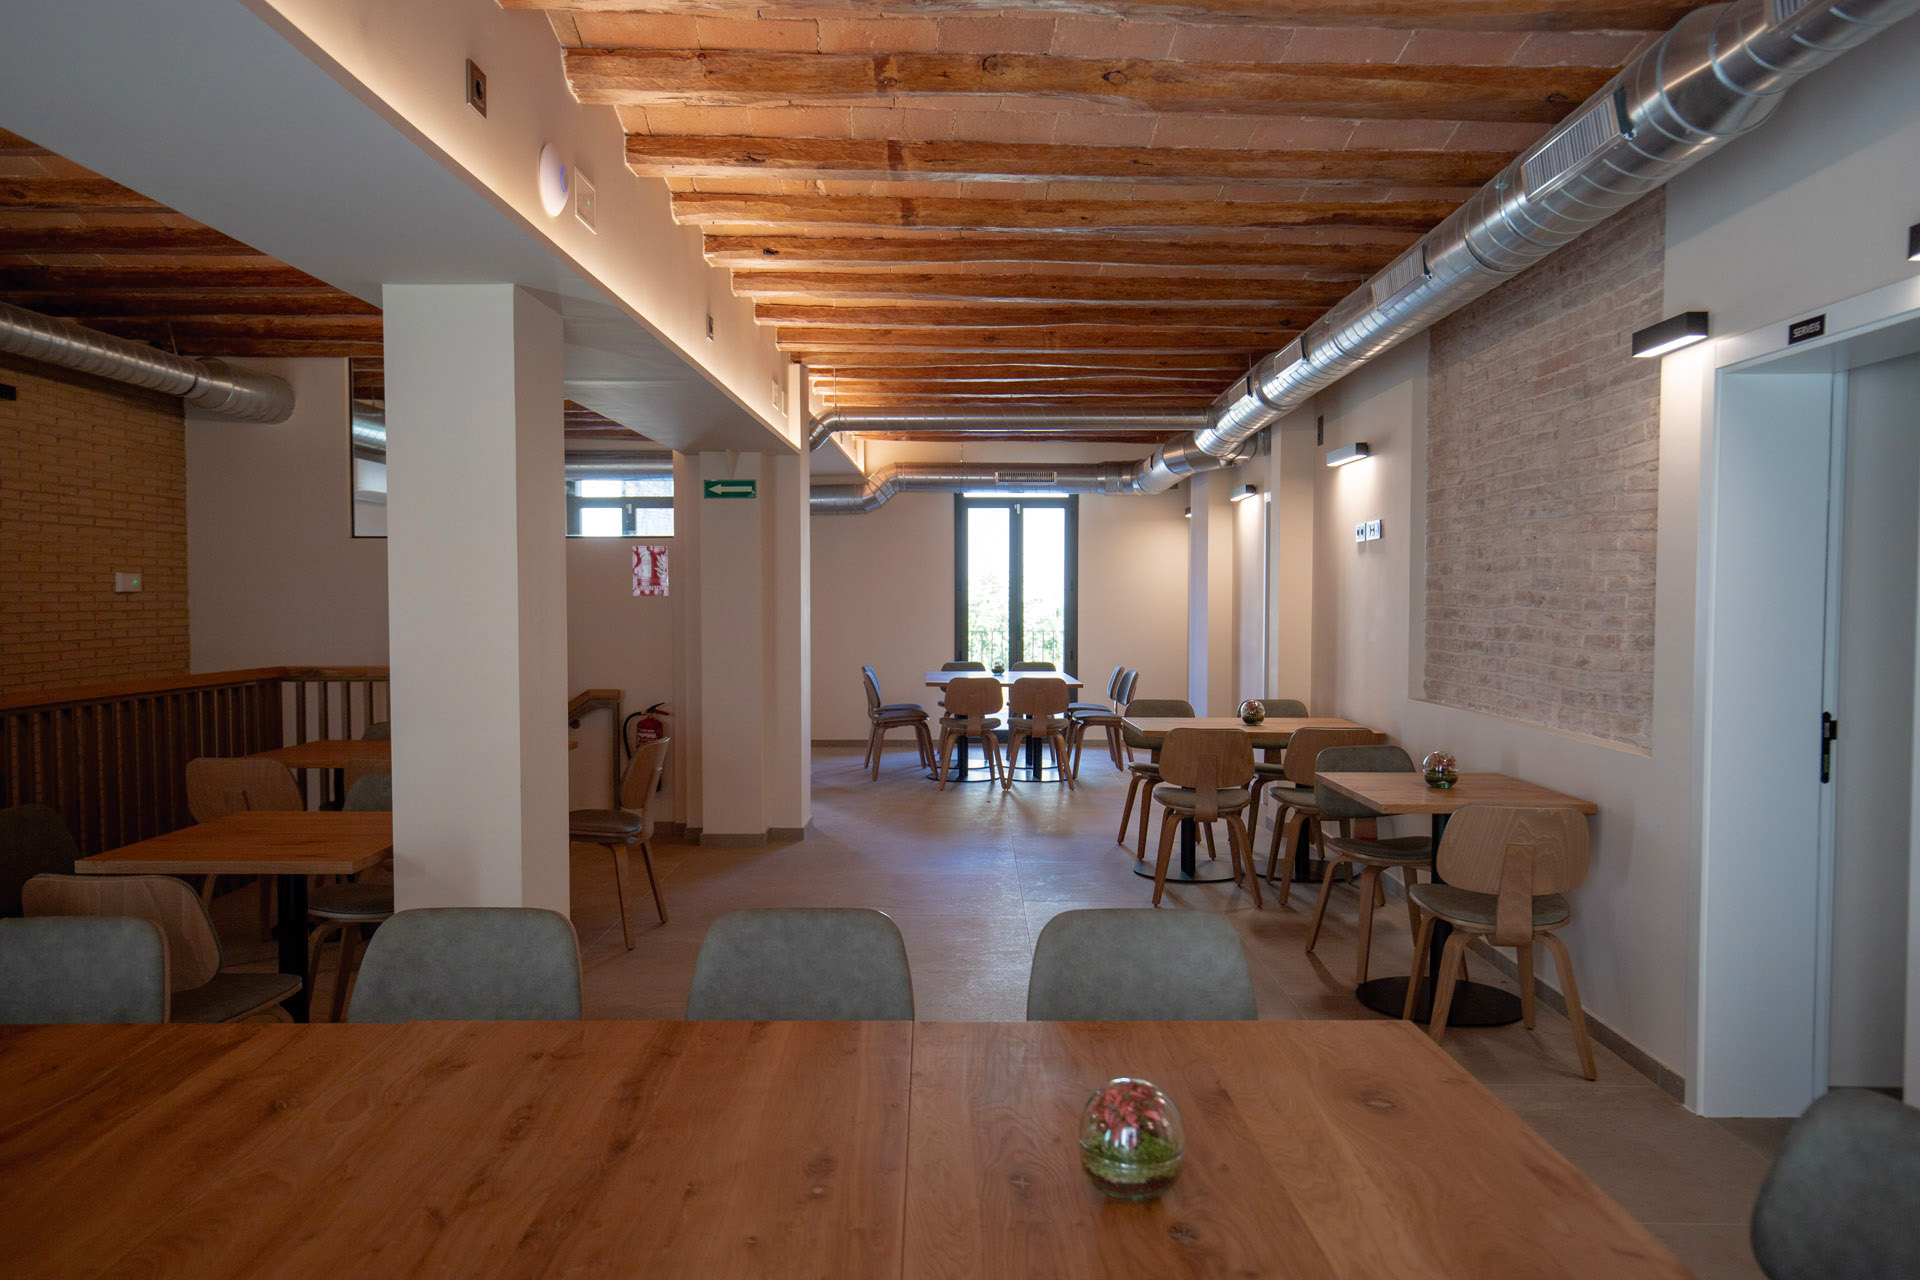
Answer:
(260, 843)
(330, 753)
(939, 679)
(1313, 1149)
(610, 1149)
(1274, 731)
(714, 1149)
(1409, 792)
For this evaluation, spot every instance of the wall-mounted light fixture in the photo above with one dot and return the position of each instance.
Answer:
(1347, 453)
(1670, 334)
(1913, 243)
(1244, 492)
(1188, 513)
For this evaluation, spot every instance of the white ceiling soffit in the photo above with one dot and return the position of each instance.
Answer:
(203, 106)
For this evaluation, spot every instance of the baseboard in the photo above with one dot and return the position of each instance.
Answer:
(839, 742)
(745, 839)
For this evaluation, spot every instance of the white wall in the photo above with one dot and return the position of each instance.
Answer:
(617, 640)
(883, 589)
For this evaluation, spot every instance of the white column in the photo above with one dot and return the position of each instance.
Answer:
(1210, 673)
(732, 642)
(789, 651)
(476, 595)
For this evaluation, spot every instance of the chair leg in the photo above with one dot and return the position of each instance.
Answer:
(946, 754)
(1013, 753)
(925, 741)
(1061, 758)
(349, 938)
(1078, 736)
(1166, 853)
(1410, 876)
(1126, 813)
(872, 733)
(1423, 943)
(653, 882)
(316, 940)
(1211, 851)
(620, 868)
(1286, 826)
(1449, 978)
(1146, 802)
(1241, 846)
(879, 745)
(1320, 909)
(1369, 884)
(1563, 964)
(1524, 955)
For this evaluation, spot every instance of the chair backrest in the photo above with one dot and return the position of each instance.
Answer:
(1515, 852)
(871, 681)
(1284, 707)
(802, 964)
(1136, 964)
(82, 969)
(1150, 708)
(369, 792)
(377, 731)
(1364, 758)
(221, 785)
(1113, 683)
(643, 774)
(455, 964)
(1039, 696)
(1208, 760)
(1304, 748)
(1032, 666)
(169, 905)
(974, 698)
(1123, 691)
(33, 841)
(1843, 1195)
(963, 665)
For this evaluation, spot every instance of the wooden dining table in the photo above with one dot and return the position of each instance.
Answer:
(333, 755)
(287, 845)
(1271, 734)
(1475, 1004)
(722, 1149)
(941, 679)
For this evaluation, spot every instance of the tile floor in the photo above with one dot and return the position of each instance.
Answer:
(971, 875)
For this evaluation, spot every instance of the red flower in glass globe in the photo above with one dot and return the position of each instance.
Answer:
(1131, 1142)
(1439, 769)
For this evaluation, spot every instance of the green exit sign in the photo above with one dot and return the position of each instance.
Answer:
(727, 488)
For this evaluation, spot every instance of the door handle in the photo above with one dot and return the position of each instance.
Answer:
(1829, 734)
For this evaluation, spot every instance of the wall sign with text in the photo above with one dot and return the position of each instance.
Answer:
(649, 569)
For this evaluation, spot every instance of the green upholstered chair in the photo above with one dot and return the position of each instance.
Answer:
(82, 969)
(1135, 964)
(33, 841)
(802, 964)
(629, 827)
(1842, 1200)
(458, 964)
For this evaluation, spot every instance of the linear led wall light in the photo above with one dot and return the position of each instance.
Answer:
(1913, 243)
(1188, 513)
(1670, 334)
(1347, 453)
(1244, 492)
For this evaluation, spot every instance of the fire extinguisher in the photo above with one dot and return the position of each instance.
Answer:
(644, 726)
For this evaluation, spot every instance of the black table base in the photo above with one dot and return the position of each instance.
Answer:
(1188, 870)
(1475, 1004)
(292, 933)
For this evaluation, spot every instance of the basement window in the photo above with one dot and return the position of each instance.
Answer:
(617, 506)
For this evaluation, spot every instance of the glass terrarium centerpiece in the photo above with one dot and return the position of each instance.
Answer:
(1440, 770)
(1253, 711)
(1131, 1142)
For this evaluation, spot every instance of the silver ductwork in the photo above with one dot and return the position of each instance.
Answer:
(957, 477)
(587, 464)
(1001, 419)
(252, 397)
(1718, 75)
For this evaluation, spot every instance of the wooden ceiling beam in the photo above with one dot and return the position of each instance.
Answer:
(1039, 338)
(849, 253)
(987, 378)
(717, 210)
(874, 159)
(1454, 15)
(1015, 316)
(1341, 90)
(1039, 436)
(120, 240)
(842, 286)
(845, 390)
(94, 195)
(194, 303)
(990, 361)
(218, 273)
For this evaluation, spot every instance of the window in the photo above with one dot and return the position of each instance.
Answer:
(1016, 580)
(620, 506)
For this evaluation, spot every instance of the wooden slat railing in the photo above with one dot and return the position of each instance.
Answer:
(595, 700)
(112, 758)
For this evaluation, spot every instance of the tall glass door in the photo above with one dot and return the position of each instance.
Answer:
(1016, 580)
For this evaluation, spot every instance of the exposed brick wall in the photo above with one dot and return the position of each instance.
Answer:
(93, 480)
(1542, 473)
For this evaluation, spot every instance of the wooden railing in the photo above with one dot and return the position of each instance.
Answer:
(112, 758)
(594, 700)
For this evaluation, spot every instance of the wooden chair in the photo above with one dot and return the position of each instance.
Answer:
(1502, 872)
(1205, 773)
(971, 704)
(963, 664)
(1270, 768)
(1038, 709)
(1032, 666)
(1358, 845)
(1144, 773)
(33, 840)
(202, 990)
(883, 716)
(1094, 715)
(218, 786)
(1297, 805)
(354, 908)
(620, 830)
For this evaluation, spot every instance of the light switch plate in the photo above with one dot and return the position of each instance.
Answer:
(476, 87)
(1360, 532)
(583, 201)
(1373, 531)
(126, 583)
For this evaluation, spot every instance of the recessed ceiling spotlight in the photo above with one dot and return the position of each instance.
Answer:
(1347, 453)
(553, 181)
(1670, 334)
(1913, 243)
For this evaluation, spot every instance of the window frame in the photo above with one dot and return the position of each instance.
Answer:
(1016, 581)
